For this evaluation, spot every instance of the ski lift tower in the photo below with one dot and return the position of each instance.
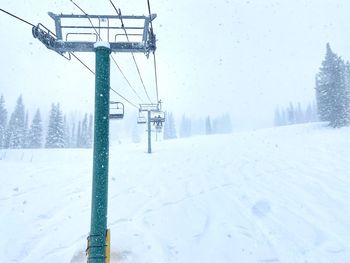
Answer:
(150, 107)
(101, 34)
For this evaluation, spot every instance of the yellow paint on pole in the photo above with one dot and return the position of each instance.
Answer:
(108, 246)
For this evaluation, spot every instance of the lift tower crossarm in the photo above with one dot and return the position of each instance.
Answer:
(77, 46)
(102, 27)
(149, 107)
(58, 16)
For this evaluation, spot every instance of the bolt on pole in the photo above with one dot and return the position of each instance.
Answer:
(98, 228)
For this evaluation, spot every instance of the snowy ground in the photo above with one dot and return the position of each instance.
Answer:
(274, 195)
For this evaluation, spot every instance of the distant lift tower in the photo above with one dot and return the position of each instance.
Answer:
(101, 34)
(156, 116)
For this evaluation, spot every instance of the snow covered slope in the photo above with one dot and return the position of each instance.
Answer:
(274, 195)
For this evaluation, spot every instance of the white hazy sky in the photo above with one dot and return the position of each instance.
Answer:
(214, 56)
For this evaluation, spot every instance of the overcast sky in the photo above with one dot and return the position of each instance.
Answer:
(214, 56)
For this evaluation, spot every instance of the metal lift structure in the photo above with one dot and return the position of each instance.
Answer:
(94, 28)
(101, 34)
(155, 115)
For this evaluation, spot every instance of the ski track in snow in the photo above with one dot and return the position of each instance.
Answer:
(273, 195)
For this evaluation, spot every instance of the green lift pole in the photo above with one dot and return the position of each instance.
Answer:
(98, 241)
(98, 230)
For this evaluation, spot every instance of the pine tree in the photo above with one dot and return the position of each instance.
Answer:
(216, 125)
(277, 118)
(15, 134)
(208, 127)
(26, 131)
(90, 131)
(346, 94)
(291, 114)
(299, 114)
(283, 117)
(73, 141)
(55, 132)
(221, 124)
(3, 121)
(308, 113)
(169, 127)
(67, 141)
(35, 134)
(339, 114)
(325, 80)
(84, 132)
(331, 90)
(185, 127)
(79, 140)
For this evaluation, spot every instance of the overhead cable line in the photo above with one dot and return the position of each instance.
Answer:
(82, 63)
(99, 36)
(116, 92)
(155, 74)
(154, 54)
(120, 95)
(21, 19)
(115, 62)
(31, 24)
(87, 67)
(119, 13)
(149, 12)
(132, 104)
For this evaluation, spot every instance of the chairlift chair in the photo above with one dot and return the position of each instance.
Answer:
(116, 110)
(158, 118)
(141, 119)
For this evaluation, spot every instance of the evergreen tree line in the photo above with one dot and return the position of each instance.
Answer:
(333, 90)
(191, 126)
(17, 133)
(295, 114)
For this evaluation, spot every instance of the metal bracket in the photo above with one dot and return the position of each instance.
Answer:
(48, 38)
(103, 28)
